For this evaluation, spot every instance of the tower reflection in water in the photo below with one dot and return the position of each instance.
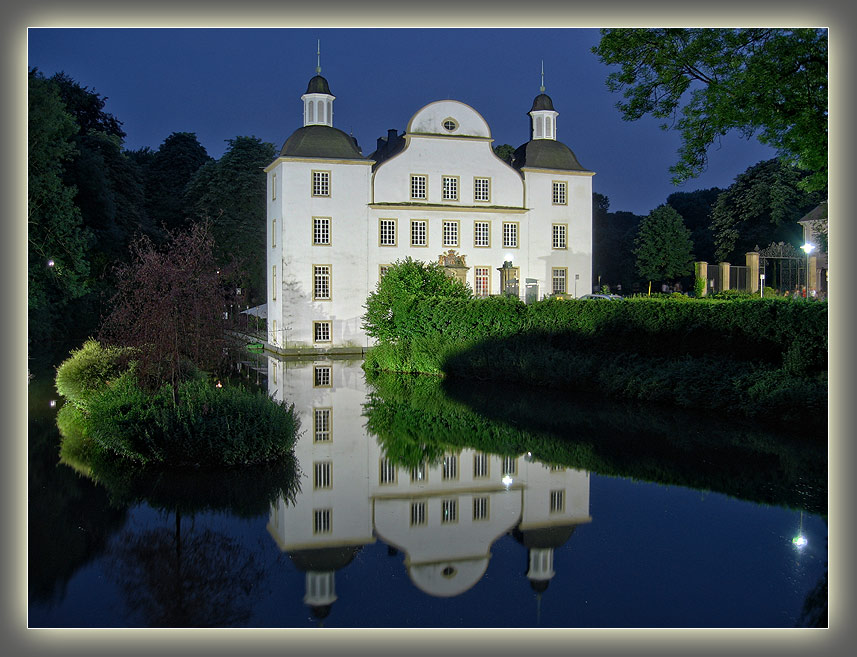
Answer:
(444, 516)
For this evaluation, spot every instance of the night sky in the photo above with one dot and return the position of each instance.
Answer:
(222, 83)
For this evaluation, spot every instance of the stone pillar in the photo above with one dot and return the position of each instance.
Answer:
(724, 276)
(701, 271)
(812, 275)
(753, 271)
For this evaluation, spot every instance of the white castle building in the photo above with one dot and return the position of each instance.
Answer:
(437, 192)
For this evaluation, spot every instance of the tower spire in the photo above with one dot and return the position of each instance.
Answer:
(542, 88)
(318, 58)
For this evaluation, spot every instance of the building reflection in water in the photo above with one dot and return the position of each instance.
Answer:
(443, 517)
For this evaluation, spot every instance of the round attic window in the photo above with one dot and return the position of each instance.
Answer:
(448, 572)
(450, 125)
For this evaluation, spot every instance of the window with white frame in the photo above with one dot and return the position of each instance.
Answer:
(482, 277)
(557, 501)
(321, 282)
(510, 465)
(274, 186)
(450, 188)
(480, 465)
(481, 189)
(560, 192)
(559, 276)
(387, 232)
(419, 184)
(321, 376)
(480, 507)
(387, 472)
(419, 232)
(273, 232)
(481, 233)
(559, 240)
(450, 233)
(321, 521)
(418, 514)
(448, 511)
(449, 467)
(321, 331)
(322, 475)
(321, 231)
(510, 235)
(321, 425)
(321, 183)
(274, 282)
(419, 473)
(382, 270)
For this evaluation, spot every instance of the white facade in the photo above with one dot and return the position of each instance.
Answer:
(336, 218)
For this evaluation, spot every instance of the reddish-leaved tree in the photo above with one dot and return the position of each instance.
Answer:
(171, 304)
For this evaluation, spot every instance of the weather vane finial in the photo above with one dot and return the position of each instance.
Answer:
(542, 88)
(318, 55)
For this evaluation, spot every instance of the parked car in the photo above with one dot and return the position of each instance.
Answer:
(608, 297)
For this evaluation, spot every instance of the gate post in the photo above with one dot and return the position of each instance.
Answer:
(724, 276)
(701, 271)
(753, 271)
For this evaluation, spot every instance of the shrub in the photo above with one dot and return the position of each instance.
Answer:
(89, 368)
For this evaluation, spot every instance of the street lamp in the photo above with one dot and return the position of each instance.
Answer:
(807, 248)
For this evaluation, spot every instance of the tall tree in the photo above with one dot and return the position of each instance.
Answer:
(613, 236)
(663, 246)
(505, 152)
(766, 82)
(695, 209)
(230, 193)
(761, 206)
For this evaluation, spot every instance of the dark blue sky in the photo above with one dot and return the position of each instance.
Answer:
(223, 83)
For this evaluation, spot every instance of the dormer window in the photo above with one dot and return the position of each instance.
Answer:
(450, 125)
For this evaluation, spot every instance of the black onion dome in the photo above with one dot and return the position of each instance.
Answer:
(324, 559)
(542, 102)
(321, 141)
(546, 154)
(318, 85)
(546, 537)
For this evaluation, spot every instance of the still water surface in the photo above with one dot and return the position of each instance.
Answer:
(376, 534)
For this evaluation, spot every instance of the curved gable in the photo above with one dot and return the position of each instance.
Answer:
(430, 119)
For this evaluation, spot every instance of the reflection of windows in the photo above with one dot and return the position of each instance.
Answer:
(321, 521)
(480, 465)
(321, 331)
(321, 183)
(449, 511)
(322, 475)
(558, 280)
(321, 282)
(510, 235)
(557, 501)
(480, 508)
(321, 231)
(321, 425)
(559, 236)
(419, 232)
(557, 468)
(449, 469)
(481, 233)
(321, 376)
(450, 233)
(274, 282)
(387, 472)
(387, 232)
(418, 187)
(482, 278)
(560, 193)
(419, 473)
(418, 513)
(510, 465)
(450, 188)
(481, 189)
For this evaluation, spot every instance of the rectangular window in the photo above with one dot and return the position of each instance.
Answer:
(321, 376)
(387, 232)
(510, 465)
(418, 513)
(273, 186)
(557, 501)
(321, 521)
(321, 183)
(419, 473)
(481, 233)
(419, 232)
(321, 231)
(482, 277)
(481, 189)
(510, 235)
(480, 508)
(274, 336)
(557, 468)
(418, 187)
(273, 232)
(449, 468)
(558, 280)
(322, 475)
(321, 282)
(274, 282)
(321, 331)
(450, 188)
(382, 270)
(480, 465)
(450, 233)
(321, 425)
(560, 193)
(559, 236)
(387, 473)
(448, 511)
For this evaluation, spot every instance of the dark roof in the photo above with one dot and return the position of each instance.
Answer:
(318, 85)
(324, 559)
(542, 102)
(321, 141)
(546, 154)
(545, 537)
(387, 147)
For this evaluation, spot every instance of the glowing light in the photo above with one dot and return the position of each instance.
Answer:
(51, 263)
(53, 402)
(218, 385)
(799, 541)
(507, 481)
